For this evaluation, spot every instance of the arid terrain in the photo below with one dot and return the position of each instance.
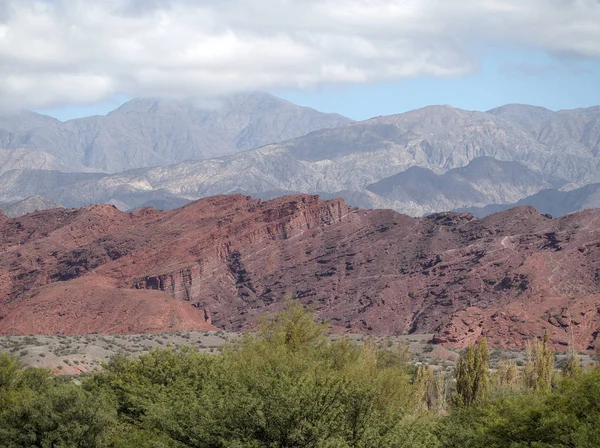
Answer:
(221, 262)
(80, 354)
(83, 354)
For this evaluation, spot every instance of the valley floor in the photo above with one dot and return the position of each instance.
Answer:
(80, 354)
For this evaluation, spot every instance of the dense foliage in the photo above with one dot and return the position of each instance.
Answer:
(289, 385)
(569, 416)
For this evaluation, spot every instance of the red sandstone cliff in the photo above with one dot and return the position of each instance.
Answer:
(228, 259)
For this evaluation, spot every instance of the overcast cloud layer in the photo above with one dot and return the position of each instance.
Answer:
(62, 52)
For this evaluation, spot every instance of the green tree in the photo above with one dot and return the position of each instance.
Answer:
(63, 416)
(539, 368)
(421, 386)
(436, 393)
(568, 416)
(572, 365)
(287, 385)
(9, 374)
(429, 389)
(472, 377)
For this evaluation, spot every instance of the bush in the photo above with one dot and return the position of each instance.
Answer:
(286, 386)
(289, 385)
(568, 416)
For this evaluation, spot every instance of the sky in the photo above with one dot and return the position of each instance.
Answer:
(360, 58)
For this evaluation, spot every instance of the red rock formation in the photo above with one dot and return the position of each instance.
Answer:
(228, 259)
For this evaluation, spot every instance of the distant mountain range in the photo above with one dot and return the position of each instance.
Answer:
(28, 205)
(551, 201)
(150, 132)
(428, 160)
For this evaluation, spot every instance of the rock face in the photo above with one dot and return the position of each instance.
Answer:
(228, 259)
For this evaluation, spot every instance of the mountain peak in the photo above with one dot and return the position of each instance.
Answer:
(523, 114)
(146, 105)
(436, 115)
(235, 102)
(152, 131)
(24, 120)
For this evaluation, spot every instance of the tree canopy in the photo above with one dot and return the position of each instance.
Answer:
(290, 385)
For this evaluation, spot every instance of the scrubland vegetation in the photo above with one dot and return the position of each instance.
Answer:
(290, 385)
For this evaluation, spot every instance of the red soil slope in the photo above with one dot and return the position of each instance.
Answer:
(228, 259)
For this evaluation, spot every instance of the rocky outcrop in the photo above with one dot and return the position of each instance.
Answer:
(287, 220)
(226, 260)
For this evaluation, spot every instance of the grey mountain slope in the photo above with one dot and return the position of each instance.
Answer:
(12, 159)
(351, 157)
(530, 118)
(436, 137)
(501, 181)
(16, 185)
(552, 201)
(578, 127)
(441, 138)
(483, 181)
(151, 132)
(271, 172)
(347, 159)
(421, 185)
(28, 205)
(21, 122)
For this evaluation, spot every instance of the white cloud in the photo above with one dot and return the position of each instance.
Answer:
(55, 52)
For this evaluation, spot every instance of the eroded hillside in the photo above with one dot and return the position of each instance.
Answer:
(226, 260)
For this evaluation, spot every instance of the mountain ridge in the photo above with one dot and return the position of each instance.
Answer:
(225, 260)
(552, 201)
(556, 149)
(149, 132)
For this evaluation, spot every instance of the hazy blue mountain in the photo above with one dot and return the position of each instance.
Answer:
(552, 201)
(15, 159)
(16, 185)
(28, 205)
